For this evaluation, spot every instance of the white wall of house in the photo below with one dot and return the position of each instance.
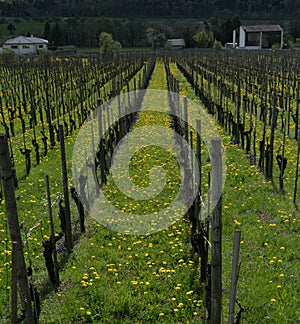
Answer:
(242, 40)
(26, 49)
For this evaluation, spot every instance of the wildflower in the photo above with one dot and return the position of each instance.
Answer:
(161, 314)
(273, 300)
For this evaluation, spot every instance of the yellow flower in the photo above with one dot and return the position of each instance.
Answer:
(88, 313)
(273, 300)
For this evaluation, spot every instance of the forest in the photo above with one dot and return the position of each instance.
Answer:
(250, 9)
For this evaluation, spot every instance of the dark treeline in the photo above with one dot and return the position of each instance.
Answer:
(247, 9)
(137, 32)
(84, 32)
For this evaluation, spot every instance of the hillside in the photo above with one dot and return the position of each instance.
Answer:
(247, 9)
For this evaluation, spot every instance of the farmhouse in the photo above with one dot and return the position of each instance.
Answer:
(22, 45)
(177, 43)
(258, 37)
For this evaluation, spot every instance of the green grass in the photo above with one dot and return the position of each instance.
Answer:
(23, 27)
(268, 284)
(131, 279)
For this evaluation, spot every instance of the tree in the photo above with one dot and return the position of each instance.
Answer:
(8, 57)
(11, 28)
(204, 38)
(56, 36)
(47, 30)
(155, 37)
(150, 35)
(108, 45)
(227, 28)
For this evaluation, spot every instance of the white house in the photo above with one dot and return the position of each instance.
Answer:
(258, 36)
(22, 45)
(176, 43)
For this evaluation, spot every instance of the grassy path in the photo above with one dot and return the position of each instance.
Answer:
(116, 278)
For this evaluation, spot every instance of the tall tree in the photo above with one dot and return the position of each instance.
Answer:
(204, 38)
(47, 30)
(57, 35)
(108, 45)
(11, 28)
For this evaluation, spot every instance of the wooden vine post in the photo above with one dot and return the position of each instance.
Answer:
(68, 234)
(19, 274)
(216, 232)
(234, 275)
(298, 151)
(270, 149)
(55, 262)
(297, 111)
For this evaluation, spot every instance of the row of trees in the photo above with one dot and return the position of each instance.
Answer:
(84, 32)
(132, 32)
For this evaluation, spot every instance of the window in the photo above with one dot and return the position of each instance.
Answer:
(252, 39)
(26, 46)
(14, 47)
(41, 46)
